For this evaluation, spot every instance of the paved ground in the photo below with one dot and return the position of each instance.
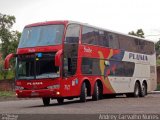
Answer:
(149, 104)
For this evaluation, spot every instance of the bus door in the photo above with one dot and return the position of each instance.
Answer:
(70, 56)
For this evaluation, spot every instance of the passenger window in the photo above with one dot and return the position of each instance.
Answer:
(90, 35)
(113, 41)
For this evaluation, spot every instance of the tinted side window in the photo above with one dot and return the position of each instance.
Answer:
(127, 43)
(124, 69)
(103, 38)
(90, 66)
(144, 47)
(89, 35)
(113, 40)
(149, 47)
(136, 45)
(99, 37)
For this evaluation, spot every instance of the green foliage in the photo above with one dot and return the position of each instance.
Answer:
(7, 94)
(6, 74)
(14, 41)
(8, 43)
(138, 33)
(158, 87)
(158, 62)
(6, 36)
(157, 47)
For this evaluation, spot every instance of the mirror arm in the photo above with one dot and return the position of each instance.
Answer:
(58, 58)
(7, 60)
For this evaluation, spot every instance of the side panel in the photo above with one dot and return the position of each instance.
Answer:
(145, 68)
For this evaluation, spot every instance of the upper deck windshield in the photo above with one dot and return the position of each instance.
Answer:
(41, 36)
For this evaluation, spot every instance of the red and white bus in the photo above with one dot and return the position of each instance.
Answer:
(65, 59)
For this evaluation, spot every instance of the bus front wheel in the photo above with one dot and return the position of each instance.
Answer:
(60, 100)
(46, 101)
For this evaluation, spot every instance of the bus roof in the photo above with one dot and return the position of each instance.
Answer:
(47, 23)
(86, 24)
(65, 22)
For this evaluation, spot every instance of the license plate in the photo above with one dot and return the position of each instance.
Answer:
(34, 94)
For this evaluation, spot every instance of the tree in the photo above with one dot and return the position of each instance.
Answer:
(14, 41)
(157, 47)
(139, 33)
(8, 43)
(7, 37)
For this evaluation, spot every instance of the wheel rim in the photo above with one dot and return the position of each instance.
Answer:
(137, 91)
(85, 91)
(143, 89)
(97, 92)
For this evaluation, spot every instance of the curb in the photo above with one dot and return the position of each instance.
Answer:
(154, 92)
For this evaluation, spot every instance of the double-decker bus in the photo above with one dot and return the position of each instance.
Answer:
(65, 59)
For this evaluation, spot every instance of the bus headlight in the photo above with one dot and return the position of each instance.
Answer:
(57, 86)
(19, 88)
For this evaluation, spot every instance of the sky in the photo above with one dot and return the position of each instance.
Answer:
(118, 15)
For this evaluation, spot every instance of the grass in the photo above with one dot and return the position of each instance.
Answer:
(158, 87)
(7, 94)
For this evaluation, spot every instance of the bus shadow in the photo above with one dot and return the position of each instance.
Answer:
(65, 103)
(75, 101)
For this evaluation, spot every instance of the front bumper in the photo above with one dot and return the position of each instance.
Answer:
(38, 93)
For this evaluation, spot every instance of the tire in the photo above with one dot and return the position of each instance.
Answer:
(96, 92)
(83, 94)
(136, 90)
(60, 100)
(46, 101)
(143, 90)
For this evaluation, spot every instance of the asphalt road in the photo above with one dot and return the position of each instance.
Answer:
(147, 105)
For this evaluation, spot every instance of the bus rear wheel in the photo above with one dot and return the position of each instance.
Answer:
(96, 92)
(136, 90)
(143, 90)
(60, 100)
(46, 101)
(83, 94)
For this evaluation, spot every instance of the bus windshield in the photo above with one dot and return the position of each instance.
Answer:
(37, 66)
(41, 36)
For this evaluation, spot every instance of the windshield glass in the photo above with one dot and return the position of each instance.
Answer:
(37, 66)
(41, 36)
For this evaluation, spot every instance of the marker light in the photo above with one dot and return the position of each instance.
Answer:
(58, 93)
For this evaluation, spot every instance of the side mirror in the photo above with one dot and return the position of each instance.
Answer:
(7, 60)
(58, 58)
